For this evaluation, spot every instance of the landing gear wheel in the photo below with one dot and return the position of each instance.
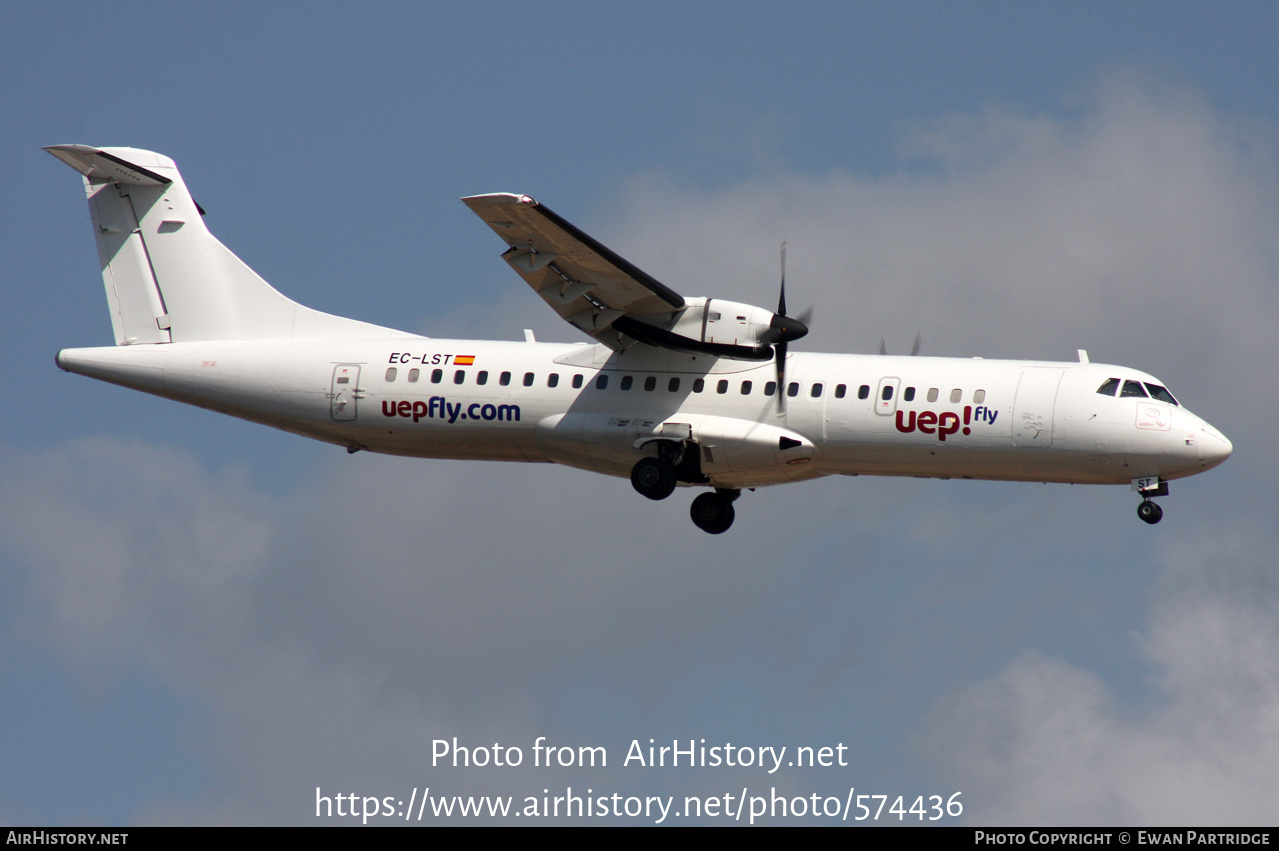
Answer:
(713, 513)
(653, 478)
(1150, 512)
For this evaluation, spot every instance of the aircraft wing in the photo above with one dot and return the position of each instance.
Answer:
(586, 283)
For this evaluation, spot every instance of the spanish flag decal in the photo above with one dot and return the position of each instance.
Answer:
(464, 360)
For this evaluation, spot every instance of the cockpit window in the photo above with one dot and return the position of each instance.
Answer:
(1133, 388)
(1109, 388)
(1161, 393)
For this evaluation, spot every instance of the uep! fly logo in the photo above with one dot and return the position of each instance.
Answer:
(945, 423)
(1153, 417)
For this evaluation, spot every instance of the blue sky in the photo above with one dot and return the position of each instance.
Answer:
(203, 620)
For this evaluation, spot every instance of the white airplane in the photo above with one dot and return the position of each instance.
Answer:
(698, 392)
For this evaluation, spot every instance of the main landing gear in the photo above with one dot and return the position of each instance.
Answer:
(676, 461)
(713, 512)
(656, 478)
(653, 477)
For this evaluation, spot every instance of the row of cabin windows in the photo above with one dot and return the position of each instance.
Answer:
(1137, 389)
(699, 385)
(481, 377)
(933, 394)
(626, 383)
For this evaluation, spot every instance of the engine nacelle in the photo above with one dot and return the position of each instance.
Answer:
(719, 327)
(717, 320)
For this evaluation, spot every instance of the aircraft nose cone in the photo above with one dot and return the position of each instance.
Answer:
(1214, 447)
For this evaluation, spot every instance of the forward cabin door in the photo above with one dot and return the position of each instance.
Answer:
(1033, 408)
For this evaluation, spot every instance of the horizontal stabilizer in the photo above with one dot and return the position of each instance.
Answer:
(168, 280)
(104, 167)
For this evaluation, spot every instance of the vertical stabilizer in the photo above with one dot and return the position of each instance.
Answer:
(167, 278)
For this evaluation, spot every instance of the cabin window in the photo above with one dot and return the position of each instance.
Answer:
(699, 384)
(672, 386)
(1161, 393)
(503, 379)
(1133, 388)
(577, 380)
(650, 383)
(414, 375)
(482, 377)
(956, 396)
(863, 392)
(627, 381)
(746, 388)
(390, 374)
(722, 386)
(979, 396)
(816, 391)
(770, 387)
(601, 381)
(792, 389)
(459, 376)
(528, 379)
(437, 375)
(932, 394)
(908, 395)
(887, 395)
(840, 390)
(553, 380)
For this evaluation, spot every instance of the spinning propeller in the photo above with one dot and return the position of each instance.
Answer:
(781, 331)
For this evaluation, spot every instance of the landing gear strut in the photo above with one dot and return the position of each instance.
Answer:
(713, 512)
(1146, 488)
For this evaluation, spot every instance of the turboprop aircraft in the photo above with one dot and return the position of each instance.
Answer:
(671, 391)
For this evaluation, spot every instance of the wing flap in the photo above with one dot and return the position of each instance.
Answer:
(582, 280)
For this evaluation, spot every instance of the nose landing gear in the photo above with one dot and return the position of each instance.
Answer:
(1148, 487)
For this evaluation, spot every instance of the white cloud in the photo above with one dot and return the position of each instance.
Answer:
(1047, 742)
(1142, 227)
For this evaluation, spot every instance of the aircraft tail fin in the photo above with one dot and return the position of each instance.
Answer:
(167, 278)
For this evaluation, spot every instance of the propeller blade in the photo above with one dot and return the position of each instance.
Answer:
(883, 350)
(914, 350)
(779, 330)
(781, 301)
(780, 353)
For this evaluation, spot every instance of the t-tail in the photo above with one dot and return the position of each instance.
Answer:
(169, 280)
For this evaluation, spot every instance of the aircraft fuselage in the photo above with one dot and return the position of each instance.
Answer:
(590, 407)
